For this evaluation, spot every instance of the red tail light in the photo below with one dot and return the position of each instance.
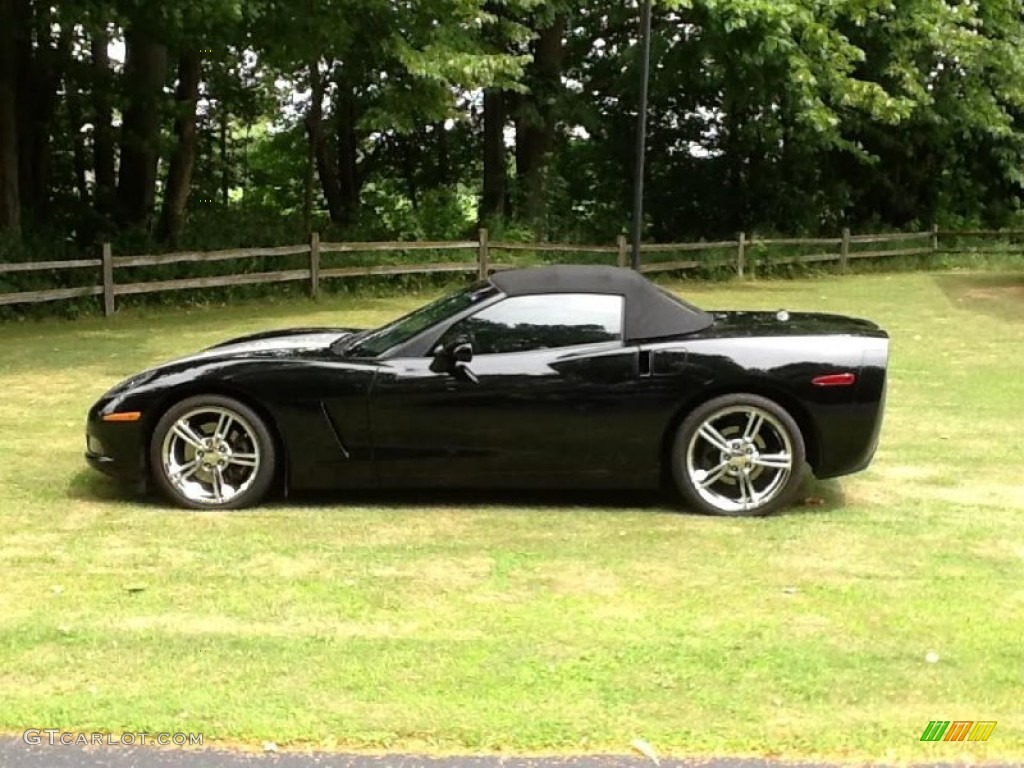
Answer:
(835, 380)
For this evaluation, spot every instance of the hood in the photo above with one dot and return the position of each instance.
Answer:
(274, 342)
(271, 344)
(785, 323)
(293, 342)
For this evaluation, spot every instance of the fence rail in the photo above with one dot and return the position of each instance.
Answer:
(482, 264)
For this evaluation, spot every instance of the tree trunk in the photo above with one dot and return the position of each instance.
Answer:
(51, 57)
(535, 124)
(409, 145)
(79, 159)
(310, 182)
(442, 173)
(10, 200)
(103, 131)
(25, 107)
(736, 153)
(350, 179)
(39, 76)
(307, 191)
(222, 145)
(493, 202)
(179, 175)
(80, 165)
(326, 164)
(145, 71)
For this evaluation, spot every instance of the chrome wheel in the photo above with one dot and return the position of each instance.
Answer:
(210, 455)
(739, 459)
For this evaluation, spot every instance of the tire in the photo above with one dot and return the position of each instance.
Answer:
(738, 455)
(212, 452)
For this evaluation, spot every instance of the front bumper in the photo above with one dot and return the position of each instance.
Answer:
(116, 449)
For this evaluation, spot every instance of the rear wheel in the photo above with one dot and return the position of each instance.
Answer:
(738, 455)
(212, 452)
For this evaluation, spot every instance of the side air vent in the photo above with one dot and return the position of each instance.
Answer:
(645, 362)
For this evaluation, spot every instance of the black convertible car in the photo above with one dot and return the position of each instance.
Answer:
(555, 377)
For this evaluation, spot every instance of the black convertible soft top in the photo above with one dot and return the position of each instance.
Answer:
(651, 312)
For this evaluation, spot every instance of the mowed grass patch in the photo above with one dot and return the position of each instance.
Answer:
(533, 623)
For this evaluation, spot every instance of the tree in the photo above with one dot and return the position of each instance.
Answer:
(393, 118)
(494, 203)
(10, 198)
(536, 117)
(373, 72)
(179, 175)
(145, 72)
(102, 120)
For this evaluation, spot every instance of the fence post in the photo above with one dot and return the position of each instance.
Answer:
(844, 251)
(623, 252)
(741, 254)
(314, 265)
(935, 238)
(482, 255)
(108, 280)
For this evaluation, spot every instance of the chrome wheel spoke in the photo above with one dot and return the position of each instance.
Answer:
(244, 459)
(218, 485)
(754, 423)
(184, 472)
(773, 460)
(713, 475)
(185, 432)
(713, 436)
(748, 496)
(223, 426)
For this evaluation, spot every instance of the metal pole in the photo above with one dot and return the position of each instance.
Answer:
(641, 131)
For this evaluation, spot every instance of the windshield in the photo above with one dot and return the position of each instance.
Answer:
(399, 331)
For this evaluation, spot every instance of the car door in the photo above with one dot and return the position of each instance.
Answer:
(545, 405)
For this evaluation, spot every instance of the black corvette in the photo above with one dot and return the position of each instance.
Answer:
(555, 377)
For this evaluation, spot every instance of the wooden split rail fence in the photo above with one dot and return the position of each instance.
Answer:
(841, 250)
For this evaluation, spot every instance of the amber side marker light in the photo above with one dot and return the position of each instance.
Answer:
(835, 380)
(123, 416)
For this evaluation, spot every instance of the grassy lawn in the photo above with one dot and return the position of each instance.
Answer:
(534, 624)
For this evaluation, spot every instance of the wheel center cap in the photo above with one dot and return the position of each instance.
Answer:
(741, 456)
(213, 454)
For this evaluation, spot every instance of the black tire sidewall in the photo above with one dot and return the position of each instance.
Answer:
(264, 474)
(692, 422)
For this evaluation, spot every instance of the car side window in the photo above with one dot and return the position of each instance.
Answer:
(545, 321)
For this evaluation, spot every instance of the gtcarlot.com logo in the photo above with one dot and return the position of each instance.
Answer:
(54, 736)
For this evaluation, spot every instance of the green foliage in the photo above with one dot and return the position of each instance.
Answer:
(802, 116)
(793, 116)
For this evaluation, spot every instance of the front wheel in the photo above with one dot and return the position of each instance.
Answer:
(212, 452)
(738, 455)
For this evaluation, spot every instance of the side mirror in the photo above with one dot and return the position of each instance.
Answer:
(454, 359)
(443, 361)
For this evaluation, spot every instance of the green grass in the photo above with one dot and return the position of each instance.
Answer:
(536, 624)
